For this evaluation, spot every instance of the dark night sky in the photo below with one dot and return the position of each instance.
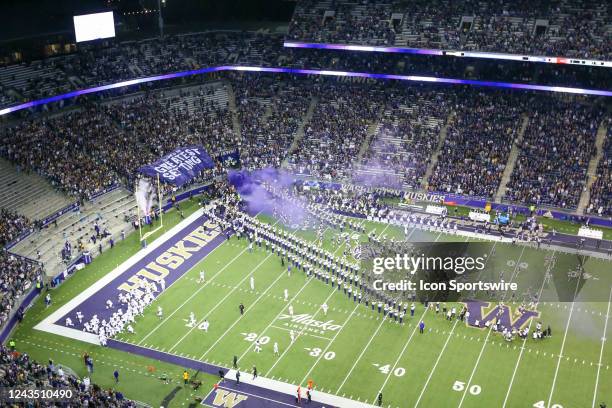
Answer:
(26, 18)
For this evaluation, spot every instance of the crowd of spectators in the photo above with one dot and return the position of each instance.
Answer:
(85, 151)
(269, 113)
(72, 151)
(362, 23)
(19, 370)
(477, 145)
(12, 225)
(601, 190)
(110, 61)
(16, 277)
(571, 28)
(407, 136)
(554, 155)
(333, 137)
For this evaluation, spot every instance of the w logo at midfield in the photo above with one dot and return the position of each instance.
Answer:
(227, 399)
(503, 314)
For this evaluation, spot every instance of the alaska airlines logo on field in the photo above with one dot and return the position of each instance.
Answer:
(502, 313)
(227, 399)
(307, 320)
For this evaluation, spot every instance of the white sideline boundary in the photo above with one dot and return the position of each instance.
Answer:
(518, 360)
(291, 389)
(567, 326)
(459, 232)
(601, 351)
(48, 324)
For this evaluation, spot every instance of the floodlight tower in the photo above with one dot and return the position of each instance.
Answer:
(160, 3)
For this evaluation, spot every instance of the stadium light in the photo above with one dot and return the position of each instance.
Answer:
(160, 20)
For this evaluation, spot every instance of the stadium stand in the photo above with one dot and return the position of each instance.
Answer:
(47, 145)
(12, 225)
(535, 28)
(269, 113)
(28, 193)
(112, 212)
(19, 370)
(601, 190)
(405, 139)
(477, 144)
(348, 128)
(337, 130)
(37, 79)
(107, 62)
(17, 278)
(556, 149)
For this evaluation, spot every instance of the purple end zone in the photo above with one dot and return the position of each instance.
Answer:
(96, 303)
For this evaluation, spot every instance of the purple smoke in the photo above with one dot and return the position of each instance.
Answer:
(286, 207)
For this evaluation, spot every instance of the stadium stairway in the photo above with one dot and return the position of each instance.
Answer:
(372, 130)
(28, 193)
(436, 153)
(299, 133)
(231, 104)
(113, 211)
(514, 152)
(585, 197)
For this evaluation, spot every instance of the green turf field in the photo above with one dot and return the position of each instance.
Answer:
(449, 365)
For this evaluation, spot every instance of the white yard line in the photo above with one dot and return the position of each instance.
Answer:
(334, 290)
(271, 323)
(436, 363)
(603, 341)
(567, 325)
(208, 281)
(484, 344)
(383, 231)
(361, 355)
(330, 343)
(371, 337)
(450, 335)
(518, 361)
(303, 328)
(219, 303)
(192, 296)
(401, 354)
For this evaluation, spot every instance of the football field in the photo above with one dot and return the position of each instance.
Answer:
(355, 352)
